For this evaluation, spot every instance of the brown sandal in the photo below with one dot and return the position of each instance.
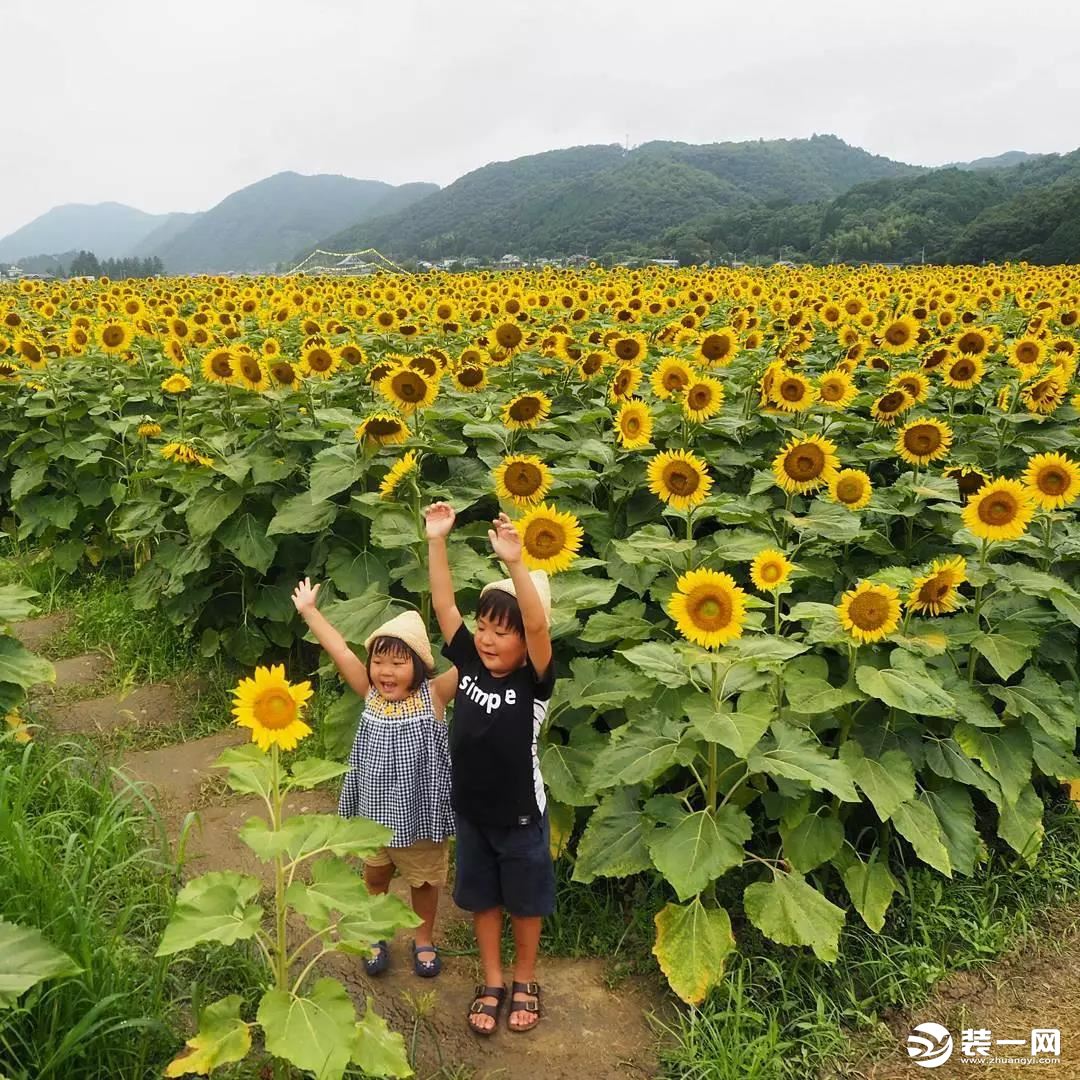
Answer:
(533, 990)
(478, 1006)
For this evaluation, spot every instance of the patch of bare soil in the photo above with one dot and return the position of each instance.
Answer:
(75, 675)
(35, 633)
(1032, 988)
(145, 707)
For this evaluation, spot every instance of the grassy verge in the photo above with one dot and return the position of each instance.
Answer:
(90, 868)
(782, 1014)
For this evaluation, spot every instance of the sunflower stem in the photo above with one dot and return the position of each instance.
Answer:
(281, 951)
(978, 608)
(1048, 540)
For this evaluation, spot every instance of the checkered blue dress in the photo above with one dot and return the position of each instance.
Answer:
(399, 769)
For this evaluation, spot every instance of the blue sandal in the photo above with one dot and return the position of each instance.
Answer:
(426, 969)
(377, 964)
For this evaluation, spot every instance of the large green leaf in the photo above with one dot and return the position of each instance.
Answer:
(911, 691)
(334, 469)
(567, 767)
(26, 958)
(638, 751)
(250, 770)
(20, 666)
(797, 755)
(305, 835)
(1006, 654)
(1005, 753)
(316, 1033)
(651, 544)
(813, 841)
(789, 911)
(692, 945)
(887, 781)
(210, 507)
(354, 573)
(625, 622)
(660, 662)
(615, 840)
(246, 538)
(700, 848)
(1020, 824)
(222, 1038)
(918, 824)
(311, 772)
(1045, 701)
(871, 887)
(214, 907)
(739, 730)
(378, 1050)
(301, 515)
(356, 618)
(812, 696)
(603, 684)
(15, 602)
(952, 806)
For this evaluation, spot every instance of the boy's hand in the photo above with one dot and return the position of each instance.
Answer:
(505, 540)
(438, 520)
(305, 596)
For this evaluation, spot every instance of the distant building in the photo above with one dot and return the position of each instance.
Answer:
(577, 260)
(664, 262)
(510, 262)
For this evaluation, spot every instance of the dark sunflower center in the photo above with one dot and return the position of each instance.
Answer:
(378, 372)
(869, 610)
(699, 397)
(544, 539)
(935, 590)
(891, 402)
(804, 462)
(898, 334)
(923, 439)
(769, 572)
(999, 509)
(408, 386)
(470, 376)
(832, 390)
(525, 408)
(1027, 352)
(508, 336)
(631, 424)
(849, 489)
(283, 373)
(627, 349)
(112, 336)
(709, 609)
(221, 366)
(250, 367)
(971, 343)
(381, 429)
(320, 360)
(523, 478)
(681, 479)
(791, 390)
(675, 379)
(1052, 480)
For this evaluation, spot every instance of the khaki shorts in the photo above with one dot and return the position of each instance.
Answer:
(423, 863)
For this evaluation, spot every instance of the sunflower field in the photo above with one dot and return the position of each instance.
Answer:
(817, 592)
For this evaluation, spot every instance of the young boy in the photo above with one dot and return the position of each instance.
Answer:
(505, 679)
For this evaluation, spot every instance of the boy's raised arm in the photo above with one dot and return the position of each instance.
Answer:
(352, 668)
(507, 545)
(439, 520)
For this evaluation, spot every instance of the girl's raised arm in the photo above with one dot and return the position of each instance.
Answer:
(352, 668)
(439, 520)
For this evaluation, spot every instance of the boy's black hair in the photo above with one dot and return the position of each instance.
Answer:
(502, 608)
(393, 646)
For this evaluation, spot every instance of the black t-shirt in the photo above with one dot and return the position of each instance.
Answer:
(494, 767)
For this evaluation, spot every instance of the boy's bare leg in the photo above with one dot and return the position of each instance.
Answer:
(425, 902)
(488, 927)
(378, 878)
(527, 943)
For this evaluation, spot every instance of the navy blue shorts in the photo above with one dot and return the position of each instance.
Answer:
(505, 866)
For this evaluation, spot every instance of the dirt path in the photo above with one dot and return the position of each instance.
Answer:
(1033, 987)
(588, 1031)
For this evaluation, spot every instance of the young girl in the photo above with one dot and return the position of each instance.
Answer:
(503, 836)
(399, 767)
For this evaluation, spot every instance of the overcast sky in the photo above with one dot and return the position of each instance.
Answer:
(172, 106)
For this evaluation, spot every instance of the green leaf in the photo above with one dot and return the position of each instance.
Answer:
(317, 1033)
(20, 666)
(378, 1050)
(700, 848)
(626, 622)
(1067, 603)
(15, 602)
(636, 752)
(790, 912)
(740, 731)
(356, 618)
(26, 959)
(221, 1039)
(1005, 753)
(250, 770)
(812, 696)
(566, 770)
(1020, 824)
(796, 755)
(765, 649)
(614, 843)
(214, 907)
(650, 544)
(246, 538)
(577, 592)
(334, 469)
(871, 887)
(692, 945)
(971, 703)
(311, 772)
(27, 478)
(304, 835)
(354, 573)
(660, 662)
(911, 691)
(339, 724)
(603, 684)
(887, 781)
(815, 840)
(1044, 700)
(1006, 655)
(210, 507)
(300, 514)
(952, 806)
(918, 824)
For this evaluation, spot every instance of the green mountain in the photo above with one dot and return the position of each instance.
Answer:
(592, 198)
(171, 227)
(998, 161)
(110, 229)
(268, 222)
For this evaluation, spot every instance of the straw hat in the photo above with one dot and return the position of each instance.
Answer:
(409, 628)
(539, 579)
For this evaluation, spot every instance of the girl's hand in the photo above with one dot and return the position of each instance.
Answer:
(438, 520)
(505, 541)
(305, 596)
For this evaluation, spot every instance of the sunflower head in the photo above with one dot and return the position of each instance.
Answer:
(870, 612)
(792, 392)
(1053, 480)
(851, 488)
(890, 405)
(770, 570)
(703, 399)
(549, 538)
(523, 479)
(708, 608)
(526, 410)
(836, 389)
(405, 466)
(680, 478)
(271, 707)
(805, 465)
(634, 424)
(937, 592)
(1000, 510)
(719, 347)
(382, 429)
(923, 441)
(408, 390)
